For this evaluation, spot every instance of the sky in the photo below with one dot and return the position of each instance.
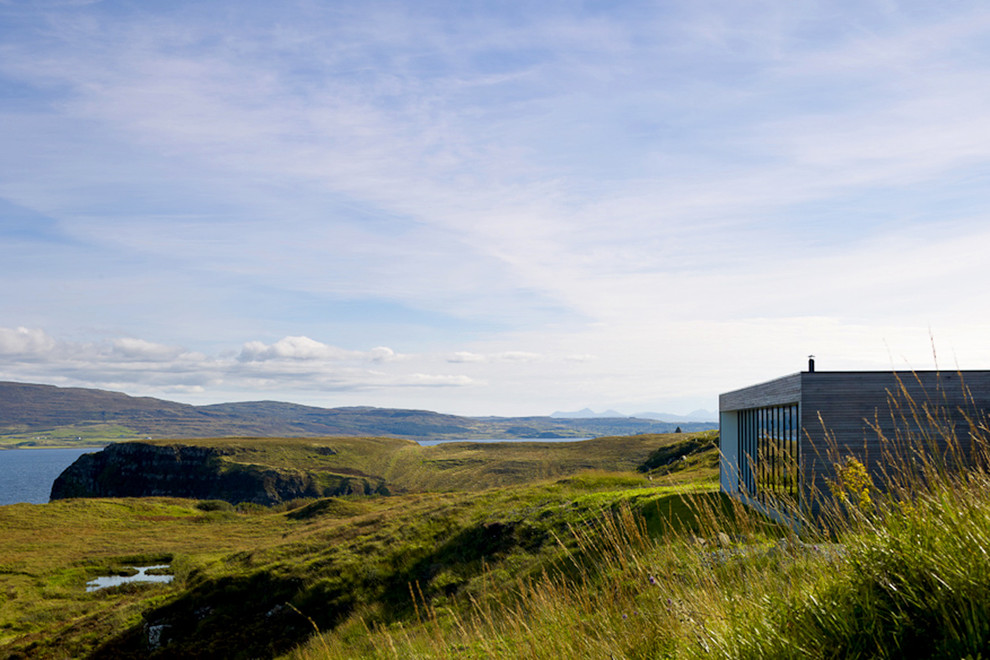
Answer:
(490, 207)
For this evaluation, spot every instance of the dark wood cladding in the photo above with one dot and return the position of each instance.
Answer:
(773, 393)
(868, 415)
(876, 417)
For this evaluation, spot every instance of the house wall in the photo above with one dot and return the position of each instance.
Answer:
(871, 416)
(874, 416)
(729, 454)
(782, 391)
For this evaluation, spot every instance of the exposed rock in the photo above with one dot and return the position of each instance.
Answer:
(137, 469)
(155, 635)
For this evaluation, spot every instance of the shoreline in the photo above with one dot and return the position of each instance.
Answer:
(15, 447)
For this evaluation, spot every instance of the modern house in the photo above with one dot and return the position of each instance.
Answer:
(781, 440)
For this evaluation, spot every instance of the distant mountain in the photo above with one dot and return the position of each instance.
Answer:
(32, 414)
(699, 415)
(587, 413)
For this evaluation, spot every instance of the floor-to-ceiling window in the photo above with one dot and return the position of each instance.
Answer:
(768, 452)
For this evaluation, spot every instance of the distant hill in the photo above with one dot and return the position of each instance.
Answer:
(587, 413)
(32, 415)
(700, 415)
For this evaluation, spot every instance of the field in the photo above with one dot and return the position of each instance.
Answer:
(405, 466)
(326, 558)
(595, 563)
(67, 436)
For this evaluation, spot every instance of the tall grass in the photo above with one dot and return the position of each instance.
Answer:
(893, 569)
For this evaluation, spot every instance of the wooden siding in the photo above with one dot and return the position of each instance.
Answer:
(850, 413)
(773, 393)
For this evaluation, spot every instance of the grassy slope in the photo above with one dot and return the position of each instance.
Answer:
(50, 551)
(405, 466)
(328, 559)
(897, 575)
(596, 564)
(91, 435)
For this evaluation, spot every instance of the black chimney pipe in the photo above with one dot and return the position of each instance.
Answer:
(811, 364)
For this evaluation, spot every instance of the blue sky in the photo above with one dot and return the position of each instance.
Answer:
(489, 207)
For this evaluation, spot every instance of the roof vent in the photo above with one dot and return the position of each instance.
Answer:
(811, 364)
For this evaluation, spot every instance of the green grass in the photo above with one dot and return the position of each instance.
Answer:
(327, 558)
(911, 583)
(404, 466)
(50, 551)
(588, 564)
(88, 435)
(901, 574)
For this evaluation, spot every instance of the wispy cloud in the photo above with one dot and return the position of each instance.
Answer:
(293, 348)
(494, 194)
(289, 364)
(25, 342)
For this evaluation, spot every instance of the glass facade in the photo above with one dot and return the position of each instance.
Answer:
(769, 452)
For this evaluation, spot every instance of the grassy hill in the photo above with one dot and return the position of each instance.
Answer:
(272, 470)
(406, 466)
(652, 563)
(257, 579)
(44, 415)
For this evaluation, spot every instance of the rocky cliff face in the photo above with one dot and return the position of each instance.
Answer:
(137, 469)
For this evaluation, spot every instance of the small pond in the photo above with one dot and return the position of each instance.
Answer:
(141, 576)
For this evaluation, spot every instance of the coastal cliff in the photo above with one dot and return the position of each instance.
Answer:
(137, 469)
(274, 470)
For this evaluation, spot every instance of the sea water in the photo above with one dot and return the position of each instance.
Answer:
(27, 475)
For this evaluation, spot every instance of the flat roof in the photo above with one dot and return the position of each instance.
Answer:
(788, 388)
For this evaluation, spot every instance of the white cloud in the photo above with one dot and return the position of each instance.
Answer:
(139, 366)
(519, 356)
(433, 380)
(139, 349)
(25, 342)
(304, 349)
(184, 390)
(465, 356)
(555, 205)
(383, 354)
(641, 372)
(292, 348)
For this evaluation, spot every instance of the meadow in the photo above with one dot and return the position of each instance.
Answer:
(464, 509)
(893, 570)
(596, 563)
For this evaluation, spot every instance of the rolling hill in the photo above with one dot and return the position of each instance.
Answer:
(38, 415)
